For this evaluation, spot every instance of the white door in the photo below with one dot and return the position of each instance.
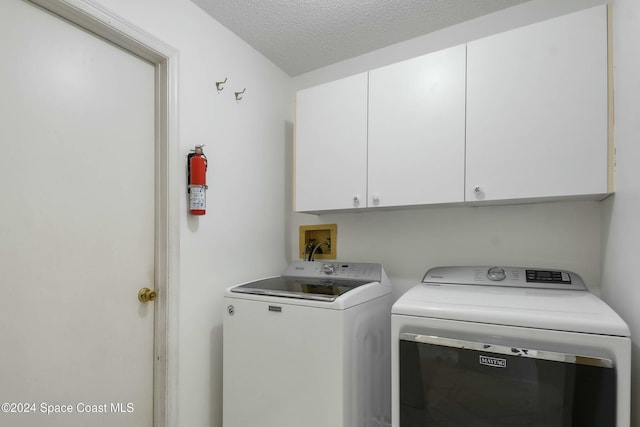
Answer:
(537, 110)
(417, 130)
(76, 225)
(331, 145)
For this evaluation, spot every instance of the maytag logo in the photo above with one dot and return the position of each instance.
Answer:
(494, 362)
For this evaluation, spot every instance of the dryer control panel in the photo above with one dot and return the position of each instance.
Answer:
(548, 276)
(524, 277)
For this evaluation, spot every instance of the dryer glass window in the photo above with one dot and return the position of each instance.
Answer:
(459, 387)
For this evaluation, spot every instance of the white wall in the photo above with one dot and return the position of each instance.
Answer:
(621, 233)
(242, 236)
(408, 242)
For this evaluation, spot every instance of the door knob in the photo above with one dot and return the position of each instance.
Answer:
(146, 295)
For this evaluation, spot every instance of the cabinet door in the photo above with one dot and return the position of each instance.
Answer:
(417, 130)
(537, 110)
(331, 145)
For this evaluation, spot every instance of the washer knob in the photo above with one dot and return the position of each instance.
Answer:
(328, 268)
(496, 274)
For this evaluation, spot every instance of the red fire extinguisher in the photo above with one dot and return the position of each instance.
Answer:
(197, 167)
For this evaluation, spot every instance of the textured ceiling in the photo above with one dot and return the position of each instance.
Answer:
(303, 35)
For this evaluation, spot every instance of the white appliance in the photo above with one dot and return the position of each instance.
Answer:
(309, 348)
(480, 346)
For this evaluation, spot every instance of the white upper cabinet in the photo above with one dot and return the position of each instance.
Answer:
(331, 145)
(537, 118)
(520, 116)
(417, 130)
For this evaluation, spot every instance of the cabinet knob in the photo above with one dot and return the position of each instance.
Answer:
(356, 200)
(477, 189)
(375, 199)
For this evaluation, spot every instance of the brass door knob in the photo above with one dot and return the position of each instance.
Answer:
(146, 295)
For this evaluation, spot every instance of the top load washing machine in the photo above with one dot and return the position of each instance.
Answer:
(481, 346)
(309, 348)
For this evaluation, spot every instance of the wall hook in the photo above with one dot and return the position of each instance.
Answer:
(219, 84)
(239, 94)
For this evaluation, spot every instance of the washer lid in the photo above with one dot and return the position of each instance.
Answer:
(320, 289)
(331, 285)
(510, 306)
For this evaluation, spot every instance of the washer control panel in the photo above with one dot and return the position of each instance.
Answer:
(337, 270)
(540, 278)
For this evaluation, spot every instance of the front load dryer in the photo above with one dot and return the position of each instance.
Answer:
(508, 347)
(309, 348)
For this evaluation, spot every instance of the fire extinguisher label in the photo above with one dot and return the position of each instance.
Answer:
(197, 198)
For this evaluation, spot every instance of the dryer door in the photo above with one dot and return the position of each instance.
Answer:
(453, 383)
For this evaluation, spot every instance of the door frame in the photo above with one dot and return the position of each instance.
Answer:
(94, 18)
